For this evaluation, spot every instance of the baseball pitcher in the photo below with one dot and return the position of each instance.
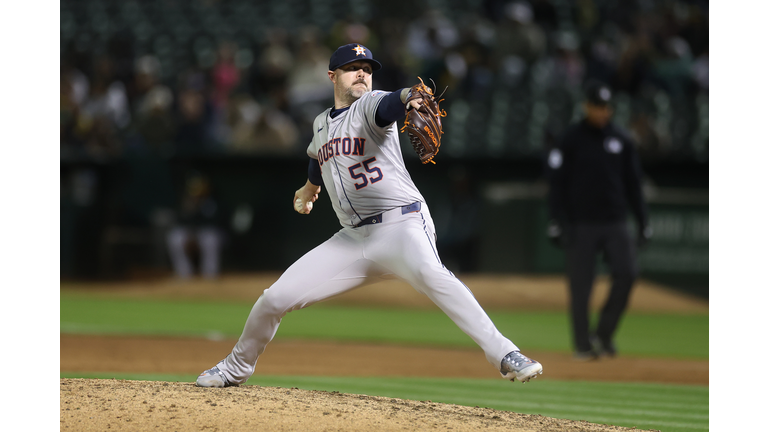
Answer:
(387, 229)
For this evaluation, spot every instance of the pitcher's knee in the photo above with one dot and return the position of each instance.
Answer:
(272, 302)
(432, 277)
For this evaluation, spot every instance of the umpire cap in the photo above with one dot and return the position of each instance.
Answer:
(352, 52)
(598, 93)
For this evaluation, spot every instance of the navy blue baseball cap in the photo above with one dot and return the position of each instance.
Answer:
(598, 93)
(352, 52)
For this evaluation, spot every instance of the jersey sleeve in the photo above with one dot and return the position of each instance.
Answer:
(368, 104)
(317, 127)
(390, 109)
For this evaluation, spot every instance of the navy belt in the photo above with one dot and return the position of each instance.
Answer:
(410, 208)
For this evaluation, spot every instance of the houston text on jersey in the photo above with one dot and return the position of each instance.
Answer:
(341, 146)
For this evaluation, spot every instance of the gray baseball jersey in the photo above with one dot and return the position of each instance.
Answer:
(362, 164)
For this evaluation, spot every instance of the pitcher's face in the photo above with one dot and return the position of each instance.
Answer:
(352, 80)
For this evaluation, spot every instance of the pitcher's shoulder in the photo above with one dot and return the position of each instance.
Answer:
(321, 118)
(371, 98)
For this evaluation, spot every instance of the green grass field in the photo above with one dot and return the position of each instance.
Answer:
(669, 408)
(656, 335)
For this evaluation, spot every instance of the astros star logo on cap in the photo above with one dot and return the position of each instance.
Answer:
(359, 50)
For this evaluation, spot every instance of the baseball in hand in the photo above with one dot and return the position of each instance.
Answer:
(299, 205)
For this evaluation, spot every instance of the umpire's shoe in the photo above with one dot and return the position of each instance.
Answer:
(515, 365)
(213, 377)
(604, 346)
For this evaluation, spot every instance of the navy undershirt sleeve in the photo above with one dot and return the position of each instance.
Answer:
(314, 174)
(390, 109)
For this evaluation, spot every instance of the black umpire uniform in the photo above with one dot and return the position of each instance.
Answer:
(594, 181)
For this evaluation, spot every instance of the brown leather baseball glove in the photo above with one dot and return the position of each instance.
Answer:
(423, 124)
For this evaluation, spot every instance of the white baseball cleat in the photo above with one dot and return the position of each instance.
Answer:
(213, 377)
(517, 366)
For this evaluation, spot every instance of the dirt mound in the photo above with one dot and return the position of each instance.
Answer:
(116, 405)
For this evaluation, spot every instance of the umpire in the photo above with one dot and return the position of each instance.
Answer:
(594, 180)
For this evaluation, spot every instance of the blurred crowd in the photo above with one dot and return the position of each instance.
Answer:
(221, 77)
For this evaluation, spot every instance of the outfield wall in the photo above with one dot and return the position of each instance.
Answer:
(490, 215)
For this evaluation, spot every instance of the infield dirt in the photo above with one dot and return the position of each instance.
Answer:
(141, 405)
(106, 405)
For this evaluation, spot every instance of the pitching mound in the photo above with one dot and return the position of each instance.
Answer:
(115, 405)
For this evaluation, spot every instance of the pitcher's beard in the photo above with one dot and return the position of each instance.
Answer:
(355, 92)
